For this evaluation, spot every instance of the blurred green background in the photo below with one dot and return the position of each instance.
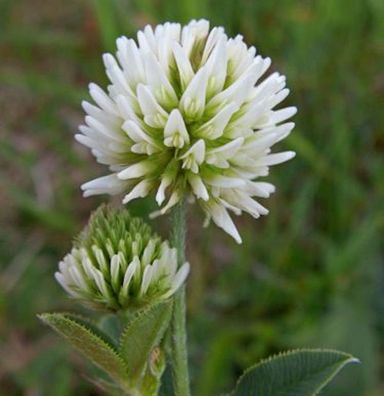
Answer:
(309, 274)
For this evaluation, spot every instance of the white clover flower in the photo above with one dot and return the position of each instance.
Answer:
(118, 263)
(187, 113)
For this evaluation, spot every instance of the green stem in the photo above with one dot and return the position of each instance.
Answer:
(179, 353)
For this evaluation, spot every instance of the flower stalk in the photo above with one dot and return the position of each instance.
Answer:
(179, 355)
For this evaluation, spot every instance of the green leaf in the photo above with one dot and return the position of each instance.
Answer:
(91, 342)
(111, 326)
(297, 373)
(142, 334)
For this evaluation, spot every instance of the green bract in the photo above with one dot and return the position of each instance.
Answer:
(117, 262)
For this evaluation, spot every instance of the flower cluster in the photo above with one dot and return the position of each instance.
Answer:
(187, 113)
(118, 263)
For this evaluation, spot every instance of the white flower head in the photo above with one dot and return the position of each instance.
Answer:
(188, 111)
(118, 263)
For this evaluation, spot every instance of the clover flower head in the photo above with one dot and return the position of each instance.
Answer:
(188, 112)
(118, 263)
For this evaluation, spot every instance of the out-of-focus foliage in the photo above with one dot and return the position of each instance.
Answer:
(309, 274)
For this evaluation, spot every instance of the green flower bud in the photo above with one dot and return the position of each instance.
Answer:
(118, 263)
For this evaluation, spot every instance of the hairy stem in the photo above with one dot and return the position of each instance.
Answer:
(179, 353)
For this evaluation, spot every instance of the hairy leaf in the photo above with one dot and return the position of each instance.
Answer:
(91, 342)
(142, 334)
(296, 373)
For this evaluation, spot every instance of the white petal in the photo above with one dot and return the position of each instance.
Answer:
(219, 156)
(168, 259)
(240, 90)
(198, 186)
(178, 280)
(217, 66)
(270, 86)
(259, 189)
(144, 143)
(166, 35)
(246, 203)
(133, 66)
(113, 134)
(186, 72)
(229, 206)
(250, 113)
(156, 271)
(173, 200)
(222, 219)
(192, 103)
(229, 149)
(147, 277)
(280, 132)
(133, 266)
(144, 148)
(115, 74)
(224, 181)
(160, 195)
(175, 132)
(87, 141)
(274, 159)
(167, 178)
(61, 279)
(158, 81)
(135, 132)
(279, 97)
(283, 114)
(101, 261)
(260, 142)
(154, 115)
(197, 150)
(148, 252)
(141, 190)
(128, 108)
(237, 92)
(215, 35)
(102, 116)
(110, 184)
(193, 34)
(137, 170)
(146, 39)
(214, 128)
(65, 264)
(87, 265)
(102, 99)
(115, 271)
(194, 156)
(100, 283)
